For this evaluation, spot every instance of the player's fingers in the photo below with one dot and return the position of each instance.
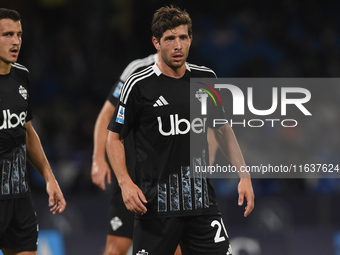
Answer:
(53, 208)
(59, 206)
(62, 206)
(139, 207)
(109, 176)
(132, 206)
(135, 205)
(94, 175)
(101, 184)
(51, 200)
(95, 180)
(250, 205)
(240, 198)
(98, 180)
(142, 197)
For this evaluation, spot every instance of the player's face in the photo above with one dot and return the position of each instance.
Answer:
(174, 46)
(10, 40)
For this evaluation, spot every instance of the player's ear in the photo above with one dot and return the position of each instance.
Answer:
(155, 43)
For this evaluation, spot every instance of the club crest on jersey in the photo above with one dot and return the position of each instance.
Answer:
(23, 92)
(120, 115)
(142, 252)
(116, 223)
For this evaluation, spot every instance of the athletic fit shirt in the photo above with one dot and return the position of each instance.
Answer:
(154, 107)
(133, 67)
(15, 111)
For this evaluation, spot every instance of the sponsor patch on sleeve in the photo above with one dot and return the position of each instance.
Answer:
(120, 115)
(116, 92)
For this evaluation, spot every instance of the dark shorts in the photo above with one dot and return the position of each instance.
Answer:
(199, 235)
(18, 224)
(120, 219)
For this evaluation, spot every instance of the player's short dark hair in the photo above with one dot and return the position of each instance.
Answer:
(167, 18)
(9, 14)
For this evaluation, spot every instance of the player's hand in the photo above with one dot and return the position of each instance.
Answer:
(133, 198)
(245, 190)
(56, 200)
(100, 169)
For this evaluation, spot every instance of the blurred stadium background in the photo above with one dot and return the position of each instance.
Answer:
(76, 49)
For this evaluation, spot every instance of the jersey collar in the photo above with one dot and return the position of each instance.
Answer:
(158, 72)
(155, 58)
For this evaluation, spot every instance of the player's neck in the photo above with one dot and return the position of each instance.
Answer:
(171, 72)
(5, 68)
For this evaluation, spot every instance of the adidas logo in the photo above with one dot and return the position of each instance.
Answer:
(160, 102)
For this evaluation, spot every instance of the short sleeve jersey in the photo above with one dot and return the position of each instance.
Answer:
(133, 67)
(15, 110)
(156, 109)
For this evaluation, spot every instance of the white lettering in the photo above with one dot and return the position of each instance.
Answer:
(262, 112)
(297, 101)
(291, 120)
(12, 120)
(256, 122)
(171, 131)
(219, 122)
(178, 122)
(238, 97)
(238, 100)
(197, 126)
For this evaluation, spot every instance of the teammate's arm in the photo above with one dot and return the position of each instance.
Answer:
(228, 144)
(100, 168)
(37, 157)
(133, 197)
(213, 146)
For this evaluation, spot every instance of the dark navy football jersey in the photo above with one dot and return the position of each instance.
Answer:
(156, 109)
(15, 110)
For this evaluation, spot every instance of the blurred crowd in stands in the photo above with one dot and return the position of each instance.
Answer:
(76, 49)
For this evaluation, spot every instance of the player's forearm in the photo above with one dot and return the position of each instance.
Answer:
(36, 155)
(229, 146)
(100, 131)
(99, 141)
(116, 154)
(213, 146)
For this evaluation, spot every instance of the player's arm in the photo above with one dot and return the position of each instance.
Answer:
(100, 168)
(36, 156)
(213, 146)
(228, 144)
(133, 197)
